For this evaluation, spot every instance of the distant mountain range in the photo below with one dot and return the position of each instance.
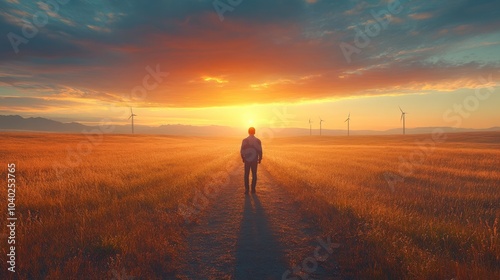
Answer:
(18, 123)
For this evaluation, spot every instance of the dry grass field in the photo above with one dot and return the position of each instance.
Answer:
(113, 207)
(437, 218)
(98, 209)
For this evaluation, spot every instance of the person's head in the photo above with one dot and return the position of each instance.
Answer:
(251, 131)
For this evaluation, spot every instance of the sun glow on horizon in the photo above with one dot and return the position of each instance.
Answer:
(378, 112)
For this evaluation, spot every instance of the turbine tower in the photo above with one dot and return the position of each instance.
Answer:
(310, 128)
(320, 121)
(348, 121)
(132, 115)
(403, 119)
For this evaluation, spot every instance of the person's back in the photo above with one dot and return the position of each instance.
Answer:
(251, 154)
(251, 149)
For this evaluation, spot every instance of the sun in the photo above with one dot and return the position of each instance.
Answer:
(248, 119)
(252, 116)
(250, 122)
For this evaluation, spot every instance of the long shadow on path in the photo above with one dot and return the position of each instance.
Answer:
(258, 255)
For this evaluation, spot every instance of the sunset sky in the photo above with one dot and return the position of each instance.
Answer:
(253, 62)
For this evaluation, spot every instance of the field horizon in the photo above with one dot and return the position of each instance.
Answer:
(19, 124)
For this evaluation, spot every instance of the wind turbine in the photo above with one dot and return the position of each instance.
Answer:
(403, 118)
(310, 128)
(132, 115)
(320, 121)
(348, 121)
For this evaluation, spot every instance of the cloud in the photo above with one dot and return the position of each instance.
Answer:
(260, 53)
(421, 16)
(30, 104)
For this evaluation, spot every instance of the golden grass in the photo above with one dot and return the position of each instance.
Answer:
(438, 222)
(117, 206)
(116, 209)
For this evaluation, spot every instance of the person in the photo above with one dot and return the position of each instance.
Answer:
(251, 154)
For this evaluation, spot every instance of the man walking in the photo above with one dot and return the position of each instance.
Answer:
(251, 154)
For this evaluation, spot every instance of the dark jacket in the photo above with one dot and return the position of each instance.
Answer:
(251, 149)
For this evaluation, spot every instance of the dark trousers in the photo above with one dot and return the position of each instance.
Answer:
(250, 166)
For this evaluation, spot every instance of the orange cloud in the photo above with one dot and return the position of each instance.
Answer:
(421, 16)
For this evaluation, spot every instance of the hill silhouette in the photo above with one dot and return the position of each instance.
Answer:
(38, 124)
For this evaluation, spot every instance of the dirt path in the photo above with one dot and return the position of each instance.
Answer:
(259, 236)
